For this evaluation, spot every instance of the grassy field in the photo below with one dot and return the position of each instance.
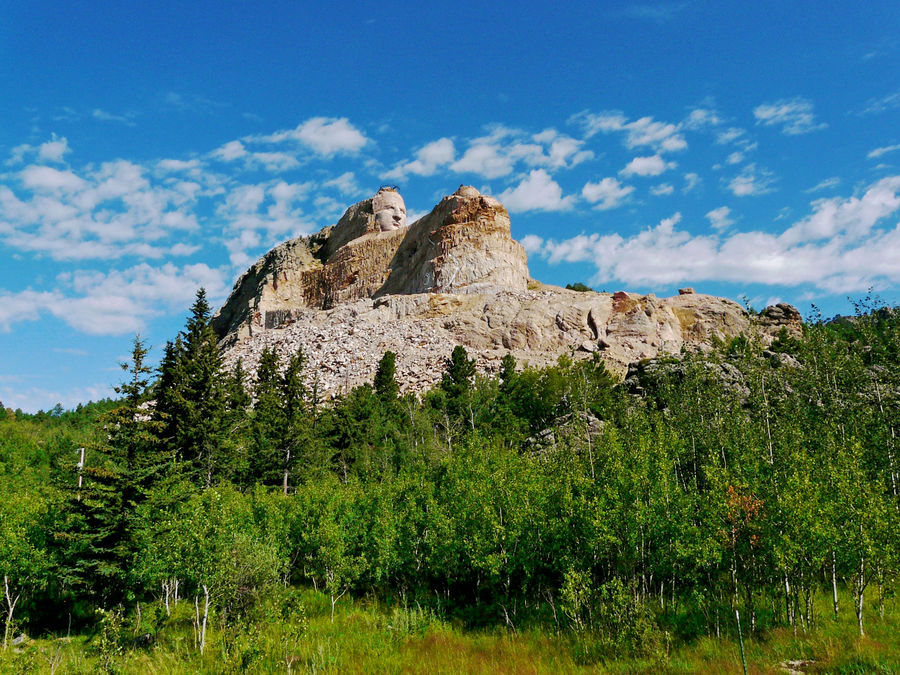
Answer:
(367, 637)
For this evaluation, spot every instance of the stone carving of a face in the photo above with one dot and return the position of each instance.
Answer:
(390, 211)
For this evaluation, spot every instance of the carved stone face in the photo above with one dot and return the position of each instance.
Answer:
(390, 211)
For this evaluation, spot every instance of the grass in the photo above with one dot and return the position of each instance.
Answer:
(370, 637)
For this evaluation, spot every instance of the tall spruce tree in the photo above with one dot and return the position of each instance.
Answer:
(192, 399)
(97, 543)
(385, 382)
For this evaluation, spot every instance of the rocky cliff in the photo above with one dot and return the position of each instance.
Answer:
(462, 246)
(370, 284)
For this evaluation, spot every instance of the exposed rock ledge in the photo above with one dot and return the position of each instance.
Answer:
(355, 290)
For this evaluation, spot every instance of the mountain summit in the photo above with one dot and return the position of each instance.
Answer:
(372, 283)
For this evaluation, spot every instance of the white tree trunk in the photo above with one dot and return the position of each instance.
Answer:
(10, 608)
(205, 617)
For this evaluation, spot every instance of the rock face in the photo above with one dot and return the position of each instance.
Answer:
(370, 284)
(462, 246)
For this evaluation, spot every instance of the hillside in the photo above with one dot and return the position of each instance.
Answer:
(454, 277)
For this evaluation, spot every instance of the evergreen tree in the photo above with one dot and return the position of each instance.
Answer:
(267, 420)
(507, 372)
(192, 399)
(97, 540)
(460, 370)
(385, 384)
(295, 426)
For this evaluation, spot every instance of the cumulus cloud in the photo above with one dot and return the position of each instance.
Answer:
(662, 189)
(24, 306)
(100, 212)
(325, 136)
(720, 218)
(53, 150)
(751, 181)
(117, 302)
(642, 132)
(271, 161)
(700, 118)
(261, 214)
(607, 194)
(427, 160)
(794, 116)
(537, 192)
(647, 166)
(329, 136)
(837, 248)
(691, 182)
(503, 149)
(345, 183)
(485, 159)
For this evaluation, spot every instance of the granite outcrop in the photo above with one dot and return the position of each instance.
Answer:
(371, 283)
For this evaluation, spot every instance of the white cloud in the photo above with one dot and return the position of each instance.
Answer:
(795, 116)
(428, 159)
(178, 165)
(497, 154)
(880, 105)
(329, 136)
(485, 159)
(647, 166)
(607, 194)
(691, 182)
(24, 306)
(700, 118)
(271, 161)
(735, 158)
(532, 243)
(837, 248)
(853, 217)
(115, 302)
(53, 150)
(878, 152)
(730, 135)
(825, 184)
(230, 151)
(751, 181)
(537, 192)
(643, 132)
(47, 179)
(345, 183)
(720, 218)
(261, 215)
(326, 136)
(662, 189)
(104, 116)
(101, 212)
(561, 151)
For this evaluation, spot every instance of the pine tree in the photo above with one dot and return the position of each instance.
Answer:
(192, 398)
(460, 370)
(295, 427)
(267, 420)
(97, 541)
(507, 372)
(385, 383)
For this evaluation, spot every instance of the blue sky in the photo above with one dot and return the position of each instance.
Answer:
(745, 149)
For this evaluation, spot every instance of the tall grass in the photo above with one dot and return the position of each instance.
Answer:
(292, 633)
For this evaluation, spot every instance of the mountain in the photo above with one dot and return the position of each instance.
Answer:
(371, 283)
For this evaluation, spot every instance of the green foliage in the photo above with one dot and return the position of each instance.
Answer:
(544, 499)
(578, 286)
